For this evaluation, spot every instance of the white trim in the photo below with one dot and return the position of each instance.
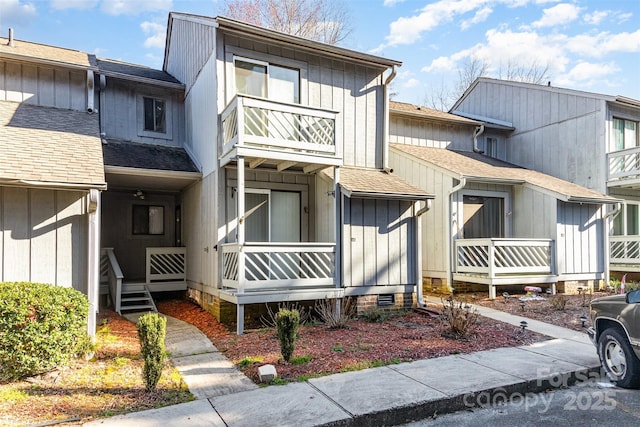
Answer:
(168, 115)
(154, 173)
(505, 195)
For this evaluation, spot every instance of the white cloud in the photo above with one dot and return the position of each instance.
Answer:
(73, 4)
(441, 64)
(586, 74)
(156, 34)
(596, 17)
(16, 12)
(407, 30)
(411, 83)
(599, 45)
(623, 17)
(392, 2)
(480, 16)
(130, 7)
(558, 15)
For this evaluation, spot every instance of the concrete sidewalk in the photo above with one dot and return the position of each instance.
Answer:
(391, 394)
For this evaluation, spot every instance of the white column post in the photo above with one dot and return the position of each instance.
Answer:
(241, 241)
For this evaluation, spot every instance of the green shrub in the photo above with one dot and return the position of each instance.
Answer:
(41, 327)
(287, 323)
(151, 331)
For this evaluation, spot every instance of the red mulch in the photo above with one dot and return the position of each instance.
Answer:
(363, 344)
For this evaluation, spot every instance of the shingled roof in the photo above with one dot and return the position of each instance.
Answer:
(477, 167)
(147, 156)
(42, 52)
(50, 145)
(425, 112)
(114, 68)
(374, 183)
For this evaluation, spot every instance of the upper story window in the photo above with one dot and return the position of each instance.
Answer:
(266, 80)
(491, 147)
(155, 115)
(624, 134)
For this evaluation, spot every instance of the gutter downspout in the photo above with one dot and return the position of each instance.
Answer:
(418, 229)
(476, 133)
(385, 119)
(449, 239)
(607, 245)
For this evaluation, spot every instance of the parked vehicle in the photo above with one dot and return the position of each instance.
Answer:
(616, 335)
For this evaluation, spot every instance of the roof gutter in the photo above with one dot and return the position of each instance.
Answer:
(54, 185)
(385, 120)
(449, 240)
(476, 133)
(418, 251)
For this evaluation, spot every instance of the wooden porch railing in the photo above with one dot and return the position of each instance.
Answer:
(261, 266)
(166, 264)
(261, 123)
(495, 257)
(624, 250)
(114, 276)
(624, 164)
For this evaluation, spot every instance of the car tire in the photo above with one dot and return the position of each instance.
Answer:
(618, 359)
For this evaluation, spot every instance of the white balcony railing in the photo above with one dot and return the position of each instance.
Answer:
(262, 124)
(624, 164)
(624, 250)
(266, 266)
(499, 257)
(166, 264)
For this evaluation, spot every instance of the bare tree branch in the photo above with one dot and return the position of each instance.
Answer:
(326, 21)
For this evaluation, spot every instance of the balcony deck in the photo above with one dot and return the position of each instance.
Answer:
(624, 168)
(279, 133)
(624, 255)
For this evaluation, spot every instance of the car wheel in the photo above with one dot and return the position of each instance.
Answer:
(618, 359)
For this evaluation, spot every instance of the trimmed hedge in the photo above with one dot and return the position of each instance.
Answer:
(287, 324)
(41, 327)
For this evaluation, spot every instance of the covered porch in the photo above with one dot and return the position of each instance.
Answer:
(141, 227)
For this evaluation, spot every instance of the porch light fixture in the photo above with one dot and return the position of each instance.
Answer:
(583, 320)
(524, 325)
(139, 195)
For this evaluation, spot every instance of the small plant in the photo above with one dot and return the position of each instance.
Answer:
(459, 318)
(249, 360)
(287, 324)
(338, 348)
(558, 302)
(301, 360)
(336, 313)
(151, 331)
(377, 315)
(269, 320)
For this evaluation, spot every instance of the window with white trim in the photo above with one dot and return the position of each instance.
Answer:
(154, 116)
(491, 147)
(624, 134)
(267, 80)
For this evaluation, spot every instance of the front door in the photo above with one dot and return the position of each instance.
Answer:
(483, 217)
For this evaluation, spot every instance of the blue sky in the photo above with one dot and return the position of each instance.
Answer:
(591, 45)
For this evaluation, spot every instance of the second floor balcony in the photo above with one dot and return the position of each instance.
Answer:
(624, 168)
(265, 131)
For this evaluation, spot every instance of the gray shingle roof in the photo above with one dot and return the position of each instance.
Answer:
(147, 156)
(113, 66)
(376, 183)
(49, 145)
(476, 166)
(43, 52)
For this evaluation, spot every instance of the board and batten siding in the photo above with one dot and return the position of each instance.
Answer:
(580, 239)
(43, 235)
(123, 113)
(534, 214)
(43, 86)
(434, 221)
(378, 241)
(556, 132)
(191, 46)
(428, 133)
(352, 89)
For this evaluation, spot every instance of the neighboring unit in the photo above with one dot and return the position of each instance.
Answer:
(589, 139)
(51, 169)
(493, 223)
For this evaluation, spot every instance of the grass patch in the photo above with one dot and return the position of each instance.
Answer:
(338, 348)
(301, 360)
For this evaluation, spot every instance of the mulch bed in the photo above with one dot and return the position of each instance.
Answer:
(362, 344)
(543, 310)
